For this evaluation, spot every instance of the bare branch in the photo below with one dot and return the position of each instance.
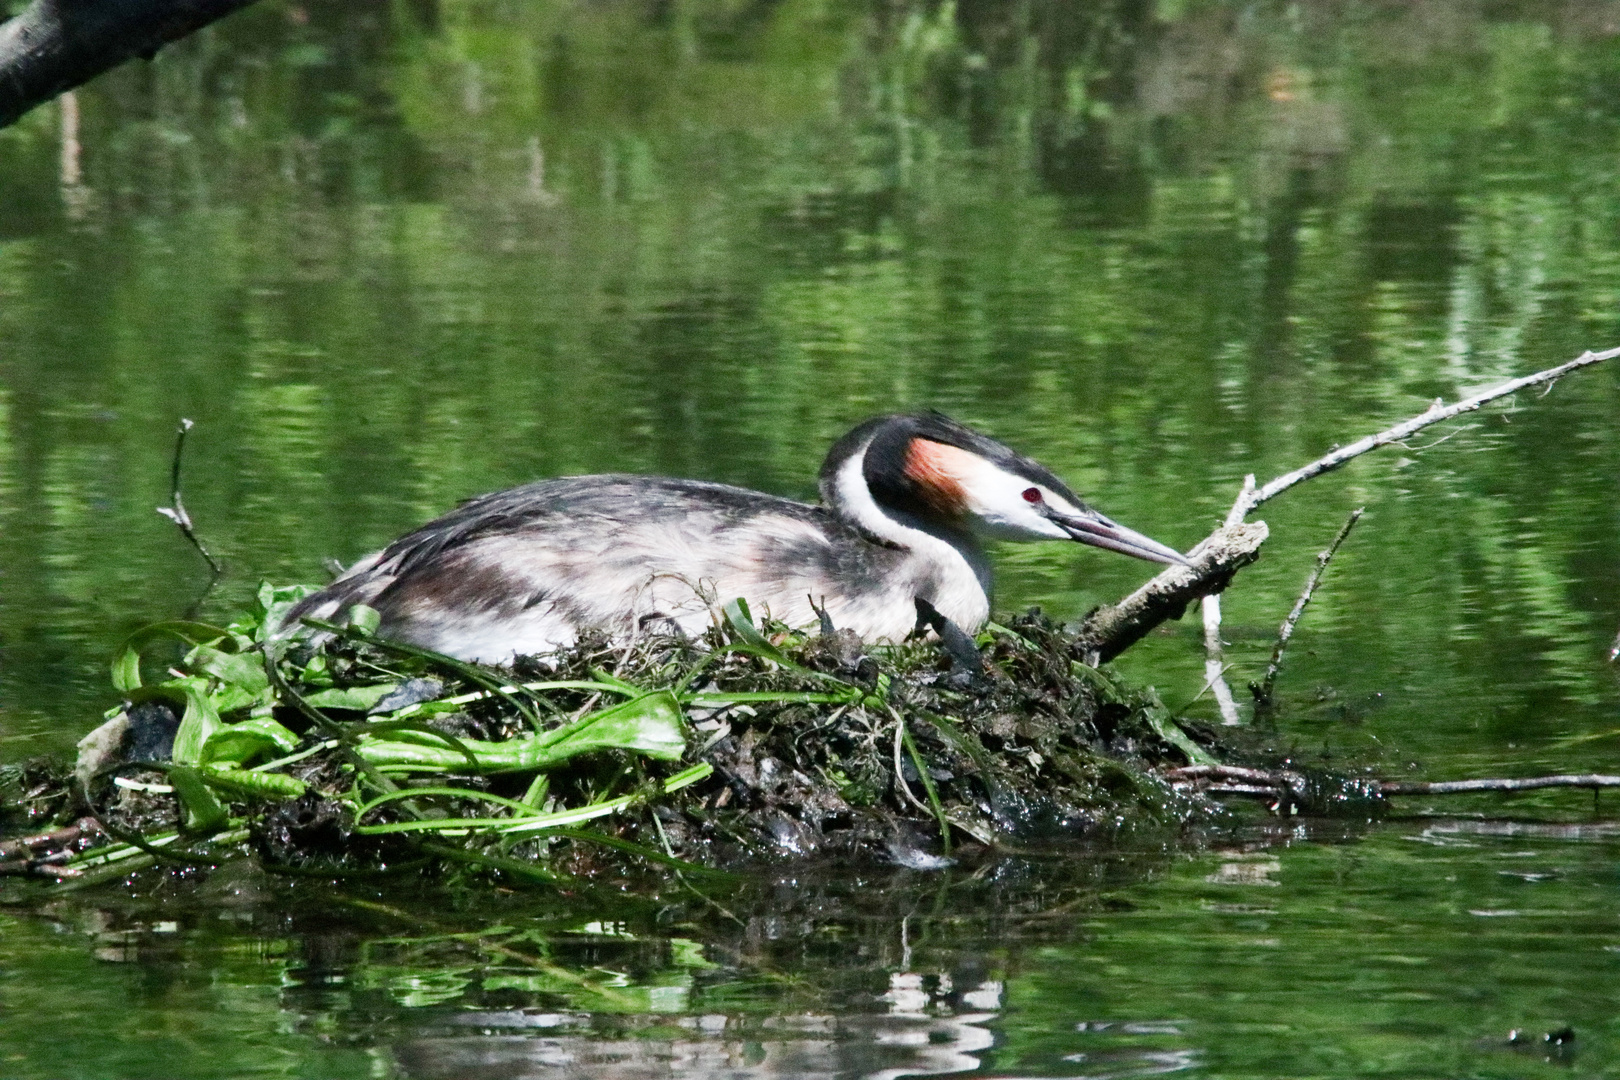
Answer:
(1112, 629)
(1214, 655)
(1262, 689)
(55, 45)
(1436, 413)
(1215, 661)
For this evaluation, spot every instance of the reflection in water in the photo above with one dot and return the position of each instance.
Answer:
(921, 1035)
(1369, 949)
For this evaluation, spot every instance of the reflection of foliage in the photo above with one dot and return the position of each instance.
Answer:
(392, 255)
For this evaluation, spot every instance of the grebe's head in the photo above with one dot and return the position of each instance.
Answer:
(932, 470)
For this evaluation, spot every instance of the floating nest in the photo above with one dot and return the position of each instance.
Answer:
(332, 752)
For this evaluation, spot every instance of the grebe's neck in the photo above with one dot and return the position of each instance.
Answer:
(845, 491)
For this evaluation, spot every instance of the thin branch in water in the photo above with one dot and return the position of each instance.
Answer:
(1447, 437)
(1113, 628)
(1214, 658)
(1527, 783)
(1237, 780)
(177, 512)
(1240, 506)
(1614, 650)
(1262, 690)
(1215, 662)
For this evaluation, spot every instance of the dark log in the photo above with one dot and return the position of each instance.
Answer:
(55, 45)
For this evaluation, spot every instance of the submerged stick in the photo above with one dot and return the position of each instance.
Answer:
(1262, 689)
(1238, 780)
(176, 512)
(1468, 787)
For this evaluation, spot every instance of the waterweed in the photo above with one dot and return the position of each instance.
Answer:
(334, 751)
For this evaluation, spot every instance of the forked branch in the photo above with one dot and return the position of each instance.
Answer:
(1110, 630)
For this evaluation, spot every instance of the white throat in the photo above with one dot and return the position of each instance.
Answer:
(962, 570)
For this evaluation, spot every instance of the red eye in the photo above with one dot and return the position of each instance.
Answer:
(1032, 495)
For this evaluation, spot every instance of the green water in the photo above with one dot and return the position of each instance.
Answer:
(388, 256)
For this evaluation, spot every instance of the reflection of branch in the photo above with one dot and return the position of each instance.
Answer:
(1112, 629)
(55, 45)
(1262, 689)
(177, 512)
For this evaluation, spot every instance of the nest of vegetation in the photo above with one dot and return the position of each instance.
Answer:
(333, 752)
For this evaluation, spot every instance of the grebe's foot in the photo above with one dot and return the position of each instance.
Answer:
(966, 662)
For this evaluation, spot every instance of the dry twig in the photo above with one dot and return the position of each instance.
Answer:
(1435, 414)
(1238, 780)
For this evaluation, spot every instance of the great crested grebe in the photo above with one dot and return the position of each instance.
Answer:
(906, 502)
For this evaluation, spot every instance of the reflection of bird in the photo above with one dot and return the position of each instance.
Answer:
(906, 501)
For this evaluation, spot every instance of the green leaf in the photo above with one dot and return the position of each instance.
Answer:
(239, 743)
(203, 810)
(253, 785)
(200, 722)
(274, 603)
(356, 698)
(229, 699)
(126, 670)
(650, 725)
(741, 622)
(1171, 732)
(234, 669)
(363, 618)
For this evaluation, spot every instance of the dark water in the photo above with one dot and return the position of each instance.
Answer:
(389, 256)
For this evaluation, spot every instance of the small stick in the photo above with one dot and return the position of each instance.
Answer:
(1436, 414)
(1262, 689)
(1614, 650)
(177, 512)
(1113, 628)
